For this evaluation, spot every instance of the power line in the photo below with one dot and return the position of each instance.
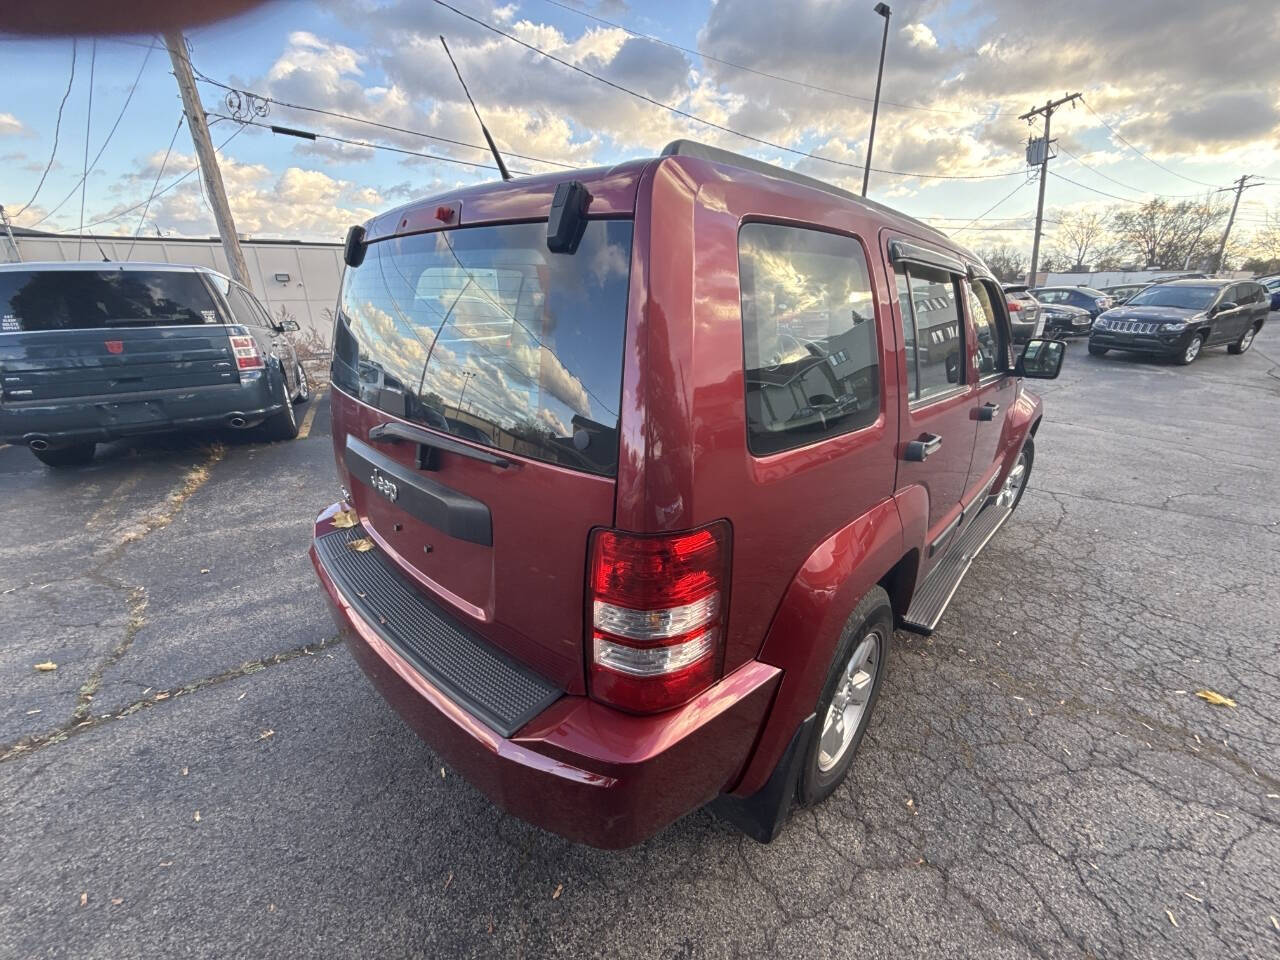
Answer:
(1119, 137)
(1121, 183)
(57, 127)
(159, 193)
(308, 135)
(711, 123)
(110, 133)
(1102, 193)
(1007, 196)
(160, 173)
(373, 123)
(762, 73)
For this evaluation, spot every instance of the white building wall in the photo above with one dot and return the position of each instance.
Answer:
(314, 269)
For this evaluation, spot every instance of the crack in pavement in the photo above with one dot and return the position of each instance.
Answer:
(82, 722)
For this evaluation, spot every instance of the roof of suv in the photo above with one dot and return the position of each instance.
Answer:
(1200, 282)
(100, 265)
(613, 192)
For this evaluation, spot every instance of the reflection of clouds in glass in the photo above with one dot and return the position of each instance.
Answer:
(609, 260)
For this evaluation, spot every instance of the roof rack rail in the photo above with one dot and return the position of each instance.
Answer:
(704, 151)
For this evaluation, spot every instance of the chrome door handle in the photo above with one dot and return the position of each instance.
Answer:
(988, 411)
(918, 450)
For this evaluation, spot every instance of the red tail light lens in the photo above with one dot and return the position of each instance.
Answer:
(1014, 306)
(247, 355)
(657, 606)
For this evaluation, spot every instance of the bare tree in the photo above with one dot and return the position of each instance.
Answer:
(1170, 235)
(1008, 265)
(1082, 238)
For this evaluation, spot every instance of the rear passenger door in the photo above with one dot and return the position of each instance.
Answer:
(938, 427)
(1229, 324)
(995, 389)
(249, 314)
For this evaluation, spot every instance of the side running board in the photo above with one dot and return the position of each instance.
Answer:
(930, 600)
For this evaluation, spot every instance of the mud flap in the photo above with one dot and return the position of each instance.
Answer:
(761, 815)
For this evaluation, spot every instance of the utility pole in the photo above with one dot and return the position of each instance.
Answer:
(8, 229)
(884, 10)
(1241, 186)
(1047, 112)
(206, 157)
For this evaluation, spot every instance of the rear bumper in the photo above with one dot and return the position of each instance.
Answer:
(580, 769)
(104, 418)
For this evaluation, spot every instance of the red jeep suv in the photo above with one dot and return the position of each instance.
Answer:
(641, 470)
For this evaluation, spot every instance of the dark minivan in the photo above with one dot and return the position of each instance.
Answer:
(643, 465)
(92, 352)
(1180, 318)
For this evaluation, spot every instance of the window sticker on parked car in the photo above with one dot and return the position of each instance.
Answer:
(210, 316)
(10, 324)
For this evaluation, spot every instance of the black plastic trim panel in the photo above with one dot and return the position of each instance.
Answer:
(498, 691)
(444, 508)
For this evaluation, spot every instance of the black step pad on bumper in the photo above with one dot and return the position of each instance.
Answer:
(492, 686)
(932, 596)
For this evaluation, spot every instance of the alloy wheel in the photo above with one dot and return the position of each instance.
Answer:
(304, 386)
(1008, 494)
(849, 704)
(1193, 349)
(1247, 340)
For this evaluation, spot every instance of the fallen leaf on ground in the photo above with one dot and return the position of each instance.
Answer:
(265, 734)
(47, 666)
(84, 898)
(162, 695)
(116, 901)
(1169, 914)
(184, 771)
(166, 863)
(449, 880)
(204, 570)
(1217, 699)
(1275, 922)
(344, 519)
(361, 545)
(197, 817)
(32, 713)
(1192, 896)
(559, 890)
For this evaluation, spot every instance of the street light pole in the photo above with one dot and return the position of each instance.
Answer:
(884, 11)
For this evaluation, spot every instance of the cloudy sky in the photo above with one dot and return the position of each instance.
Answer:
(1181, 97)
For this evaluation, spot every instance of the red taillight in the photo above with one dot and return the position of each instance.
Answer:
(247, 355)
(657, 607)
(1014, 306)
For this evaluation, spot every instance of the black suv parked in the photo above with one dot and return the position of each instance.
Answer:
(92, 352)
(1178, 319)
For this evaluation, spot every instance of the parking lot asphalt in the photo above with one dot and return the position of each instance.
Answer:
(207, 773)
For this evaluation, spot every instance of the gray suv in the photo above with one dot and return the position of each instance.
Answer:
(92, 352)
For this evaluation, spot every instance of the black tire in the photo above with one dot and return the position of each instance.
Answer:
(75, 455)
(1245, 341)
(304, 385)
(1189, 355)
(283, 425)
(1096, 351)
(873, 617)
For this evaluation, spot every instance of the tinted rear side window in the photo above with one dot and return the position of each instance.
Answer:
(809, 335)
(481, 332)
(92, 299)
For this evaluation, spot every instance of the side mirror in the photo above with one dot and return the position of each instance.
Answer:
(1041, 359)
(1226, 305)
(288, 326)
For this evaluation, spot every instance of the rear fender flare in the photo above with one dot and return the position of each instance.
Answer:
(1023, 416)
(807, 625)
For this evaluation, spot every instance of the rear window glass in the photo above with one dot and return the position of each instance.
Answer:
(483, 333)
(809, 334)
(92, 299)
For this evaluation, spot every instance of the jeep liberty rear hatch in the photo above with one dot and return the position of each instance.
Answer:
(478, 379)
